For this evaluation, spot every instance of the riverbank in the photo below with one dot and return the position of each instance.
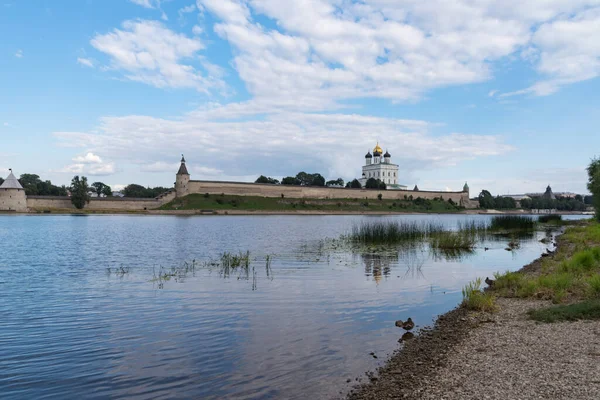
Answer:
(504, 355)
(234, 211)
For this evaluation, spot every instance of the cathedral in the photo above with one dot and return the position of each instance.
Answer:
(379, 166)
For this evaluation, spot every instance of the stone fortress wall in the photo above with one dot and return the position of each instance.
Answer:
(16, 200)
(39, 203)
(311, 192)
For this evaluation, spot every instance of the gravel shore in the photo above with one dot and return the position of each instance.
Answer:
(494, 356)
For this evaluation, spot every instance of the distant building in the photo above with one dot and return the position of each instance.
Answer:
(379, 166)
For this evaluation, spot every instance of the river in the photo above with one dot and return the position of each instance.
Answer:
(83, 314)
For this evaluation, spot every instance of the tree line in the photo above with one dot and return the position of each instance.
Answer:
(577, 203)
(316, 179)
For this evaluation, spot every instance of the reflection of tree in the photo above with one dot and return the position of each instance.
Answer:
(378, 265)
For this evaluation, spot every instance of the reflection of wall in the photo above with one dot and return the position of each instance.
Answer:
(299, 192)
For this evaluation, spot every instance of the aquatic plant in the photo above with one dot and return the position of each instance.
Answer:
(385, 232)
(473, 226)
(453, 241)
(512, 222)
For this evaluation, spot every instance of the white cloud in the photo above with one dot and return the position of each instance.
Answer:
(6, 124)
(324, 51)
(89, 164)
(284, 142)
(147, 3)
(89, 158)
(148, 52)
(85, 62)
(197, 30)
(186, 10)
(19, 53)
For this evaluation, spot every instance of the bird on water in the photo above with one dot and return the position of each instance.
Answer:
(406, 325)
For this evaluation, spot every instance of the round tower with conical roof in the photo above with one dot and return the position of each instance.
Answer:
(182, 180)
(12, 195)
(466, 188)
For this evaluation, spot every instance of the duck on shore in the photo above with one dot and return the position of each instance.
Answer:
(406, 325)
(489, 282)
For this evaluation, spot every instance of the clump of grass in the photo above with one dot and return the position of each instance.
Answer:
(512, 222)
(589, 310)
(475, 299)
(453, 241)
(582, 262)
(554, 218)
(382, 232)
(594, 286)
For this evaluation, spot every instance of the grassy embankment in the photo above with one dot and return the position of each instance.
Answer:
(570, 278)
(255, 203)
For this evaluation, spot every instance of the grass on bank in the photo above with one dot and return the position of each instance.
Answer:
(589, 309)
(571, 275)
(477, 300)
(257, 203)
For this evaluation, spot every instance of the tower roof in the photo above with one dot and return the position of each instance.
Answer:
(182, 169)
(11, 182)
(368, 155)
(387, 155)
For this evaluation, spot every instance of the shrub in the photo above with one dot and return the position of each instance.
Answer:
(206, 195)
(379, 196)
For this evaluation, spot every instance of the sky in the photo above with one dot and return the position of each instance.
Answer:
(501, 94)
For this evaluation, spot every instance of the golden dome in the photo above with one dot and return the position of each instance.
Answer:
(378, 149)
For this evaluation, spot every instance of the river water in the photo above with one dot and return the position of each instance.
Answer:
(83, 315)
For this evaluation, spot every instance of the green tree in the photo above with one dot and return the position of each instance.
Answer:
(486, 200)
(355, 184)
(317, 180)
(79, 192)
(588, 200)
(134, 190)
(336, 182)
(98, 188)
(30, 184)
(373, 183)
(264, 179)
(290, 180)
(107, 191)
(594, 184)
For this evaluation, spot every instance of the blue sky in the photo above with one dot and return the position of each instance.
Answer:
(502, 94)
